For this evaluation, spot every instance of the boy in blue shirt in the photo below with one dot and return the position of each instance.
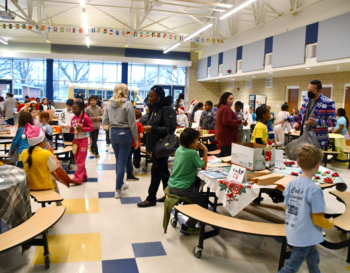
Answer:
(305, 206)
(182, 180)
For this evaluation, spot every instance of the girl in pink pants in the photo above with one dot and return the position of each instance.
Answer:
(81, 124)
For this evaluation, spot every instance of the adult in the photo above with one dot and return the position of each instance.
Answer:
(43, 106)
(279, 128)
(180, 102)
(1, 103)
(227, 122)
(162, 121)
(79, 96)
(342, 124)
(26, 99)
(120, 116)
(9, 104)
(317, 111)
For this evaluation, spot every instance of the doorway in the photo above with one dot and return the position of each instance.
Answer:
(347, 105)
(292, 97)
(327, 90)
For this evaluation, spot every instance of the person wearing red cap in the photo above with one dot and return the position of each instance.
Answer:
(38, 163)
(181, 119)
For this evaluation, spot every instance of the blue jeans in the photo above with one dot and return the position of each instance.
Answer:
(299, 254)
(121, 140)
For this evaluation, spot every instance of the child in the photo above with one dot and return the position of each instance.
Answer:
(253, 114)
(305, 206)
(271, 121)
(181, 118)
(81, 124)
(246, 129)
(197, 115)
(95, 113)
(238, 110)
(49, 105)
(208, 117)
(23, 119)
(44, 118)
(37, 162)
(15, 113)
(279, 128)
(34, 112)
(136, 153)
(295, 111)
(64, 120)
(182, 180)
(43, 106)
(260, 133)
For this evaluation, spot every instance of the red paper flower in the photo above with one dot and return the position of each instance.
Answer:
(335, 174)
(328, 180)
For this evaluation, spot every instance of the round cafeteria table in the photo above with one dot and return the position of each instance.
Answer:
(14, 196)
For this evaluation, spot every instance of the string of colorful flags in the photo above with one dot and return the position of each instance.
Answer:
(115, 32)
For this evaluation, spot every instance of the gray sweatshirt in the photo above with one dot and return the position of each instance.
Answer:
(121, 116)
(93, 112)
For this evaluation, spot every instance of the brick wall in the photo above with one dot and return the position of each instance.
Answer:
(201, 90)
(277, 94)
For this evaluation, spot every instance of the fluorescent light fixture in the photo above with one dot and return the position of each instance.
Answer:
(82, 3)
(202, 28)
(3, 41)
(307, 68)
(253, 77)
(269, 72)
(236, 8)
(171, 48)
(87, 40)
(84, 17)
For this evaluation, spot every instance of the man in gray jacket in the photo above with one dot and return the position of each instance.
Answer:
(9, 104)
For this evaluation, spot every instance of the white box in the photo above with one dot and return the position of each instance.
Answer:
(250, 156)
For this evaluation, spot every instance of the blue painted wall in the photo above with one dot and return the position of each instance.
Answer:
(49, 80)
(209, 61)
(157, 54)
(239, 53)
(221, 57)
(268, 45)
(311, 33)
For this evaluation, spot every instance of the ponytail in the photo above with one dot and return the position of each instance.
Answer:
(342, 113)
(29, 159)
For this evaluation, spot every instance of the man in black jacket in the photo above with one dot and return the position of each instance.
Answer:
(162, 121)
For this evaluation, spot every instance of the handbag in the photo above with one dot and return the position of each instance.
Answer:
(166, 146)
(308, 136)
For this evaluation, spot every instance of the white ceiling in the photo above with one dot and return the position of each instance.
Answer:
(173, 17)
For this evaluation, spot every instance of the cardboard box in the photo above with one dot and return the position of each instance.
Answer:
(250, 156)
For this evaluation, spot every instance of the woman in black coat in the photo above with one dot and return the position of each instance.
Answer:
(162, 120)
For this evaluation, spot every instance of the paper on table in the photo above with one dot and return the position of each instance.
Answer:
(195, 125)
(279, 158)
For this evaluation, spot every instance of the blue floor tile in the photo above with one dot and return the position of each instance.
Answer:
(92, 179)
(120, 266)
(106, 194)
(103, 151)
(148, 249)
(130, 200)
(101, 140)
(70, 172)
(111, 153)
(105, 167)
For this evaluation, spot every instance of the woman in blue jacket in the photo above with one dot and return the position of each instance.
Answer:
(18, 141)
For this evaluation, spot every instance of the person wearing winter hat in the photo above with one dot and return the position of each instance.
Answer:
(181, 119)
(38, 163)
(162, 121)
(18, 142)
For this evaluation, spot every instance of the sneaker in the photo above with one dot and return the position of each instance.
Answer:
(189, 231)
(118, 194)
(138, 172)
(97, 155)
(132, 178)
(125, 186)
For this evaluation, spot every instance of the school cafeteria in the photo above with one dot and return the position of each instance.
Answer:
(173, 136)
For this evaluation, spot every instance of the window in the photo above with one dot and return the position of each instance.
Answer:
(89, 78)
(29, 76)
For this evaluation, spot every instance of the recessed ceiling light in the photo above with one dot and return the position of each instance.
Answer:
(216, 80)
(269, 72)
(307, 68)
(253, 76)
(232, 79)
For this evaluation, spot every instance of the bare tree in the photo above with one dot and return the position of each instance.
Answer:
(172, 77)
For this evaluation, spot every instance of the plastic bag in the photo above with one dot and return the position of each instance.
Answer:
(308, 136)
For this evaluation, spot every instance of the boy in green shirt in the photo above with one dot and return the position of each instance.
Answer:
(182, 180)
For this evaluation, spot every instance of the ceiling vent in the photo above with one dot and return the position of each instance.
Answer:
(239, 65)
(311, 51)
(268, 59)
(232, 84)
(248, 84)
(268, 83)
